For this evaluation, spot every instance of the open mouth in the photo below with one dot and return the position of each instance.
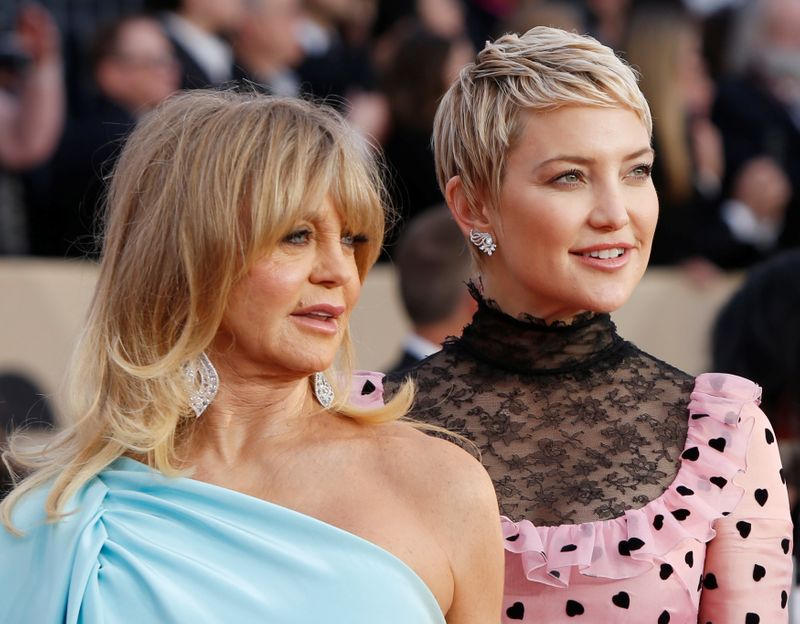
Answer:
(605, 254)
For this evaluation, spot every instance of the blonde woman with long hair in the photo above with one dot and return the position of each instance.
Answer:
(215, 468)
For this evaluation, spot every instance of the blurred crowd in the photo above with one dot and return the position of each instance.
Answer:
(722, 78)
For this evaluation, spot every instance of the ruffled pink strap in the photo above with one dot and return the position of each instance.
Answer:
(702, 491)
(366, 389)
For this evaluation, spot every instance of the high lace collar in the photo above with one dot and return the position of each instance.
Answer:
(529, 345)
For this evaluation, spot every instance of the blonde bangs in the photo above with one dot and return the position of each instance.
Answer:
(204, 184)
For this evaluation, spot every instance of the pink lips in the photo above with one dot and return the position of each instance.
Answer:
(608, 256)
(321, 317)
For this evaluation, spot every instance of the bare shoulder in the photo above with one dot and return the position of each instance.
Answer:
(452, 494)
(434, 472)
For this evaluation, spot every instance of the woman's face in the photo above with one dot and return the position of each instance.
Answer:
(576, 213)
(286, 318)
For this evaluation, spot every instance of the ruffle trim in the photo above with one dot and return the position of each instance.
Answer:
(628, 546)
(366, 389)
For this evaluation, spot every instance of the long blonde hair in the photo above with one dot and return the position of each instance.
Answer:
(205, 184)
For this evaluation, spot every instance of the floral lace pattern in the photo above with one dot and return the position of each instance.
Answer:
(574, 424)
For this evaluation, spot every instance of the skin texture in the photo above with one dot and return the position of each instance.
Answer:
(421, 498)
(578, 178)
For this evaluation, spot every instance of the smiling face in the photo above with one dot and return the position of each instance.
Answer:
(287, 317)
(576, 214)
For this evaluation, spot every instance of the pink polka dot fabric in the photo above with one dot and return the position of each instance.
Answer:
(715, 547)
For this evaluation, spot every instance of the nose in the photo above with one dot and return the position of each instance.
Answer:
(610, 208)
(334, 264)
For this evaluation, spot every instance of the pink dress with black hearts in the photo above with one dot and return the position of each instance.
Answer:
(631, 492)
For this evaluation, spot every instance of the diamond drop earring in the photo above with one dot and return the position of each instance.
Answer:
(323, 390)
(483, 241)
(202, 381)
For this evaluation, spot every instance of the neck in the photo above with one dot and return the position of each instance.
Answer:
(515, 302)
(529, 345)
(249, 410)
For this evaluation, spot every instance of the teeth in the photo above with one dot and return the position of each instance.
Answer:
(605, 254)
(321, 314)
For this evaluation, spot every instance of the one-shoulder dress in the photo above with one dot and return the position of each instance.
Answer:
(140, 548)
(632, 493)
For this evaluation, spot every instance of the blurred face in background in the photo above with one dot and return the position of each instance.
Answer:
(779, 52)
(271, 27)
(216, 16)
(142, 70)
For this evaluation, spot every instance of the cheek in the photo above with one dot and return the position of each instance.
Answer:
(648, 221)
(352, 292)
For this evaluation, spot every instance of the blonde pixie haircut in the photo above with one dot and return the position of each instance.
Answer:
(205, 185)
(478, 119)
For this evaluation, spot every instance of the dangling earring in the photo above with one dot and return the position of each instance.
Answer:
(323, 390)
(483, 241)
(203, 382)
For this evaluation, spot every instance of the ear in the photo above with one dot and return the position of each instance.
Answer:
(468, 216)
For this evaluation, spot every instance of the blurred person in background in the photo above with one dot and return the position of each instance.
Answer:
(757, 335)
(199, 31)
(32, 108)
(267, 46)
(23, 407)
(607, 20)
(423, 65)
(554, 13)
(664, 43)
(337, 66)
(395, 20)
(432, 265)
(758, 113)
(134, 68)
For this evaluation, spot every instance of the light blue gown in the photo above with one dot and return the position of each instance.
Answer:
(141, 548)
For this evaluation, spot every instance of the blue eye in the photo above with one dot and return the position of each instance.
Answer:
(298, 237)
(573, 176)
(351, 240)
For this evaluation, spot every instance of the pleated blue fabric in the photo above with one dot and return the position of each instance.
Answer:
(142, 548)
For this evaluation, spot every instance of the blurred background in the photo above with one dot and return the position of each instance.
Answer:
(722, 78)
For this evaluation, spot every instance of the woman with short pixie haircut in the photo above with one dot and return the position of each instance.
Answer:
(632, 492)
(216, 468)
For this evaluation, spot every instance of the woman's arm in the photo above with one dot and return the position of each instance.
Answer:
(748, 567)
(473, 539)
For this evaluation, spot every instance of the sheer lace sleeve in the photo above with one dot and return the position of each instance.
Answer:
(748, 568)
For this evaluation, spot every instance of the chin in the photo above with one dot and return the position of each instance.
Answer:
(608, 302)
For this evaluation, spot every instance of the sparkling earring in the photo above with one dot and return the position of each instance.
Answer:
(323, 390)
(483, 241)
(202, 381)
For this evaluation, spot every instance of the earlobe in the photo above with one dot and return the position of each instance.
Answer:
(468, 216)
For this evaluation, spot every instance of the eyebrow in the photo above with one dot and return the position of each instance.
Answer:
(588, 161)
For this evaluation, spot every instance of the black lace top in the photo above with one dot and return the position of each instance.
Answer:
(574, 423)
